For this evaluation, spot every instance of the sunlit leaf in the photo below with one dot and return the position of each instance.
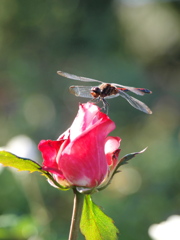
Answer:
(22, 164)
(95, 225)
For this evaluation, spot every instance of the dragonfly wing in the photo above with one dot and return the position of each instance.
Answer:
(81, 91)
(135, 103)
(85, 79)
(74, 77)
(112, 96)
(131, 89)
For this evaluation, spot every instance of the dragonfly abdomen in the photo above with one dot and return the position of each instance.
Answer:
(144, 90)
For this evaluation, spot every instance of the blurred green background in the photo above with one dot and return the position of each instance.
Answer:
(135, 43)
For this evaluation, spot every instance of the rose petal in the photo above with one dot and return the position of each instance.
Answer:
(112, 151)
(49, 150)
(83, 155)
(65, 135)
(83, 161)
(87, 116)
(112, 144)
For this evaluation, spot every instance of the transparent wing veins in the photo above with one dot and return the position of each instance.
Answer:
(135, 103)
(81, 91)
(78, 78)
(85, 79)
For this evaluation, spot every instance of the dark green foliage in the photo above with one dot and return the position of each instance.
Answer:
(112, 42)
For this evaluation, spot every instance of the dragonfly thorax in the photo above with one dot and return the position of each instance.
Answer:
(104, 90)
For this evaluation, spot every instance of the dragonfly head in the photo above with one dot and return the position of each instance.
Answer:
(95, 92)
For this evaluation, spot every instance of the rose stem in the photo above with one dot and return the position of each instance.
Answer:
(76, 215)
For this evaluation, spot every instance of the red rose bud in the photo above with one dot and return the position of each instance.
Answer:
(83, 156)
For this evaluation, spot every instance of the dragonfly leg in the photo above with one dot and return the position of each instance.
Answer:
(105, 105)
(93, 100)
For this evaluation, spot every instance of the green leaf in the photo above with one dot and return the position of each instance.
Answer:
(22, 164)
(95, 225)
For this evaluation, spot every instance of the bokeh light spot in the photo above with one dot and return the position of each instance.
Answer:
(39, 110)
(128, 181)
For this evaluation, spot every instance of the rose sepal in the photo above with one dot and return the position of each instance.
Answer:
(122, 161)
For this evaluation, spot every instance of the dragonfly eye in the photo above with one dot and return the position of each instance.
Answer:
(95, 92)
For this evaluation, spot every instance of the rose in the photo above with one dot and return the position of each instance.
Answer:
(83, 156)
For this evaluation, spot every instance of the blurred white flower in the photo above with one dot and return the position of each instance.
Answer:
(22, 146)
(167, 230)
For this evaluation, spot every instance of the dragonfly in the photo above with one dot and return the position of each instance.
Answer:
(107, 90)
